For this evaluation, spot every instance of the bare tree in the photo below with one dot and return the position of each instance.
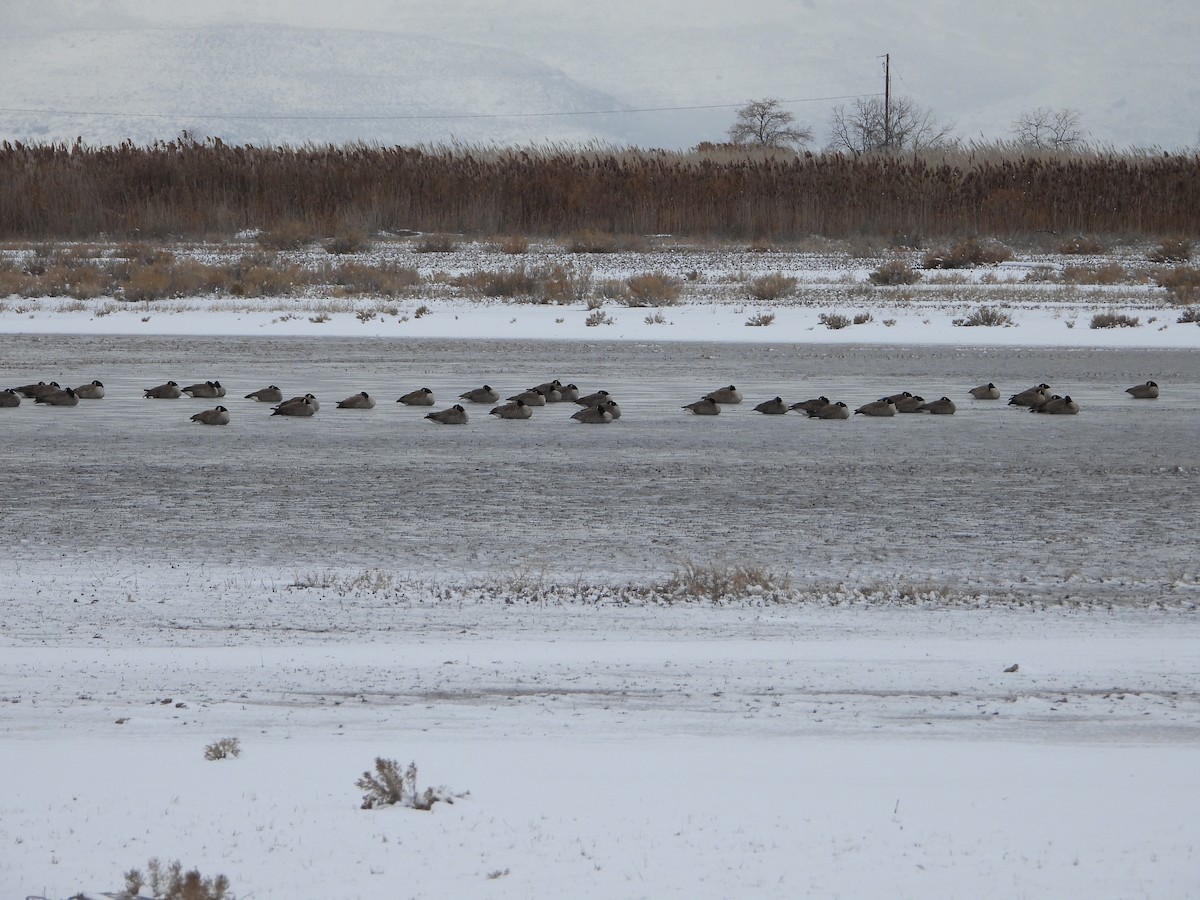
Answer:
(767, 123)
(866, 127)
(1044, 128)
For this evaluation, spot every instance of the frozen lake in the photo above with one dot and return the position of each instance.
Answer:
(1101, 505)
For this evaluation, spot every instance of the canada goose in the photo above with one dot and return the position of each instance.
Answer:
(705, 406)
(313, 401)
(774, 407)
(361, 400)
(592, 399)
(725, 395)
(455, 415)
(419, 397)
(484, 394)
(205, 390)
(1147, 391)
(533, 396)
(270, 394)
(217, 416)
(943, 407)
(593, 415)
(896, 398)
(1034, 396)
(9, 397)
(910, 404)
(569, 392)
(168, 391)
(65, 397)
(297, 406)
(1058, 406)
(986, 392)
(837, 410)
(33, 391)
(93, 391)
(809, 405)
(884, 407)
(547, 386)
(515, 409)
(610, 406)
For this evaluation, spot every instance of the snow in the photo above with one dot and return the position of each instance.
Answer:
(855, 735)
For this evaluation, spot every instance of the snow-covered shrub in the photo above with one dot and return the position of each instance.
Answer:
(834, 321)
(388, 786)
(170, 882)
(223, 749)
(967, 254)
(987, 317)
(761, 320)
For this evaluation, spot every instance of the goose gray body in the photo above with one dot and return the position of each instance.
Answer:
(884, 407)
(361, 400)
(514, 409)
(593, 415)
(943, 407)
(455, 415)
(313, 401)
(896, 398)
(911, 404)
(569, 393)
(810, 405)
(168, 391)
(837, 410)
(206, 390)
(270, 394)
(216, 416)
(92, 391)
(9, 398)
(532, 397)
(33, 391)
(593, 399)
(65, 397)
(725, 395)
(419, 397)
(986, 392)
(611, 407)
(774, 407)
(547, 386)
(1058, 406)
(1147, 391)
(1034, 396)
(705, 406)
(297, 406)
(483, 394)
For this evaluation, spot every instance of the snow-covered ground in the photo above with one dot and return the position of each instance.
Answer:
(489, 603)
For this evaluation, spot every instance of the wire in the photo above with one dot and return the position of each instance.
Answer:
(593, 112)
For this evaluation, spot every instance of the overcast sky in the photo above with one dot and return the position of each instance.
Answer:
(1131, 70)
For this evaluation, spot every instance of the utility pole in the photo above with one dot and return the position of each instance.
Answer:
(887, 101)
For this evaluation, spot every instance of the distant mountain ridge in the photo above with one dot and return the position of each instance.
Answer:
(275, 84)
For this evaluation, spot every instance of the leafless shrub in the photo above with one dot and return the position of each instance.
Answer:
(1108, 273)
(592, 241)
(656, 319)
(772, 287)
(894, 272)
(1182, 283)
(388, 786)
(1082, 245)
(863, 318)
(651, 289)
(718, 581)
(985, 317)
(320, 318)
(170, 882)
(598, 317)
(1189, 316)
(1172, 250)
(382, 279)
(223, 749)
(354, 240)
(889, 323)
(760, 320)
(967, 254)
(834, 321)
(437, 243)
(612, 289)
(514, 244)
(290, 235)
(518, 282)
(421, 311)
(1114, 320)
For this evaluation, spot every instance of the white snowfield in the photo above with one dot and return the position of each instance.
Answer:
(855, 738)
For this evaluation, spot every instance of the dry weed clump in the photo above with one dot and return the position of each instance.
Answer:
(652, 289)
(389, 786)
(985, 317)
(772, 287)
(598, 317)
(223, 749)
(353, 240)
(1171, 250)
(834, 321)
(514, 244)
(760, 320)
(170, 882)
(1108, 273)
(294, 234)
(1189, 316)
(967, 254)
(593, 241)
(437, 243)
(1114, 320)
(717, 582)
(1082, 245)
(1182, 284)
(381, 279)
(893, 272)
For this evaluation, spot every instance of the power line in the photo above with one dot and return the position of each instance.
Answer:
(399, 118)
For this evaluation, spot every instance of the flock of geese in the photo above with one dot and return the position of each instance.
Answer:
(598, 408)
